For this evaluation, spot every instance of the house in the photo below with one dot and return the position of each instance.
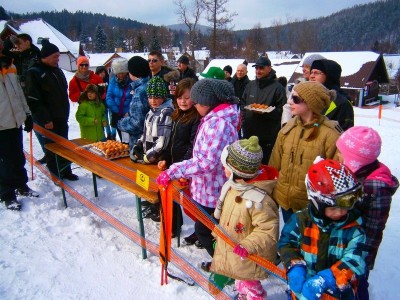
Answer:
(362, 74)
(39, 29)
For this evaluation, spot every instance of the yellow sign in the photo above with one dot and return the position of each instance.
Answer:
(142, 180)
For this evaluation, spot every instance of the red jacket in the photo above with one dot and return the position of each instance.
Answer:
(77, 86)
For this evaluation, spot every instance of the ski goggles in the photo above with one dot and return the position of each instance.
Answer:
(348, 199)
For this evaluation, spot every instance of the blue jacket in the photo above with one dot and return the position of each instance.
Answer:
(114, 95)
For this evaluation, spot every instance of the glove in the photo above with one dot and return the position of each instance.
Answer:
(145, 159)
(318, 284)
(28, 124)
(241, 251)
(163, 179)
(138, 152)
(297, 277)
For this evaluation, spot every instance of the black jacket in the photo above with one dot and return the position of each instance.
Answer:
(240, 85)
(189, 73)
(340, 110)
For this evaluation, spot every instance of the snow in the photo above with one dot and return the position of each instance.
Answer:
(49, 252)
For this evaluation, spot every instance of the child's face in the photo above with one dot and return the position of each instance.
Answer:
(335, 213)
(297, 108)
(155, 101)
(184, 101)
(91, 95)
(202, 109)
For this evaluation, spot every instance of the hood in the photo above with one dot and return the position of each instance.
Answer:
(166, 104)
(382, 173)
(172, 76)
(139, 82)
(229, 112)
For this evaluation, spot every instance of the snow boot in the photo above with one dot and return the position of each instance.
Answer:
(26, 191)
(190, 240)
(13, 204)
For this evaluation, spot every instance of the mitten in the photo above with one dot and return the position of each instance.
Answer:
(318, 284)
(28, 124)
(241, 251)
(137, 151)
(163, 179)
(297, 277)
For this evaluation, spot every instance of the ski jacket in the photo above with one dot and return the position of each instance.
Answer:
(115, 92)
(341, 110)
(77, 85)
(87, 112)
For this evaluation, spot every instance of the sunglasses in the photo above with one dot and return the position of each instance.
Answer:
(154, 60)
(297, 99)
(84, 65)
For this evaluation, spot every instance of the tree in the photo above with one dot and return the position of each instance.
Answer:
(139, 43)
(219, 18)
(100, 40)
(3, 14)
(155, 44)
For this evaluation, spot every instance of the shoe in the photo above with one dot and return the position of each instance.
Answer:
(277, 260)
(155, 216)
(13, 204)
(198, 245)
(25, 191)
(70, 177)
(42, 160)
(190, 240)
(205, 266)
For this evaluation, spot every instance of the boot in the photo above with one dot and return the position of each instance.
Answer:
(26, 191)
(13, 204)
(190, 240)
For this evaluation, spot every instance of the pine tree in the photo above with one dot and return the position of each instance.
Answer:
(100, 40)
(155, 44)
(139, 43)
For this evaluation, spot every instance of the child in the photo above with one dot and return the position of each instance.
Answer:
(306, 136)
(249, 216)
(359, 148)
(91, 115)
(323, 246)
(215, 101)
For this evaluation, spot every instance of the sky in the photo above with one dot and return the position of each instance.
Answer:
(49, 252)
(163, 12)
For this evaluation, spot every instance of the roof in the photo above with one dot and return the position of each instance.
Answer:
(392, 62)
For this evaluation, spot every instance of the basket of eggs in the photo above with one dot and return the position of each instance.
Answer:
(262, 108)
(109, 149)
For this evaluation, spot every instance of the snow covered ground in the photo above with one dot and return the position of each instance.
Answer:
(49, 252)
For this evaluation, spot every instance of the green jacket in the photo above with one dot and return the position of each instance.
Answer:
(87, 112)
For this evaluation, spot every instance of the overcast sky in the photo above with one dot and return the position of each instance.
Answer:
(163, 12)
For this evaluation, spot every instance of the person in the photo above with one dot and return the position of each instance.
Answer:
(228, 72)
(185, 121)
(214, 73)
(215, 101)
(328, 73)
(159, 68)
(119, 94)
(308, 135)
(102, 87)
(240, 80)
(184, 70)
(47, 97)
(139, 72)
(14, 112)
(359, 148)
(248, 214)
(323, 246)
(265, 89)
(91, 114)
(83, 76)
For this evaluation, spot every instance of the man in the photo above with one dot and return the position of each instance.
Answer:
(240, 81)
(228, 72)
(158, 68)
(46, 89)
(184, 70)
(306, 67)
(265, 89)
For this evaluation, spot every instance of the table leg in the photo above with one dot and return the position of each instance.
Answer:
(59, 176)
(141, 226)
(96, 194)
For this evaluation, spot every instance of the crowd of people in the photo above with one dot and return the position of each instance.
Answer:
(305, 159)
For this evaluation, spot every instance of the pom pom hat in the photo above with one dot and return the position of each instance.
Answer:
(315, 95)
(156, 88)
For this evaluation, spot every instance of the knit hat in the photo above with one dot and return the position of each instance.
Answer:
(92, 88)
(262, 61)
(82, 60)
(214, 72)
(211, 92)
(119, 65)
(311, 58)
(244, 157)
(331, 69)
(359, 146)
(156, 88)
(315, 95)
(138, 67)
(228, 69)
(48, 49)
(184, 60)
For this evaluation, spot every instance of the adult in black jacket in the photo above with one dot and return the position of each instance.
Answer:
(47, 97)
(184, 70)
(240, 81)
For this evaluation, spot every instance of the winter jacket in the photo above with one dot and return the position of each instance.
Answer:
(341, 110)
(139, 107)
(87, 112)
(157, 131)
(240, 85)
(46, 90)
(189, 73)
(77, 86)
(323, 244)
(294, 153)
(13, 107)
(216, 130)
(256, 229)
(379, 186)
(115, 92)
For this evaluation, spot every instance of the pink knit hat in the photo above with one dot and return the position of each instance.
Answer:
(359, 146)
(82, 59)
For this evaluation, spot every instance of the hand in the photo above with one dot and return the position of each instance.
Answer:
(183, 182)
(28, 124)
(241, 251)
(105, 123)
(163, 179)
(49, 125)
(318, 284)
(162, 165)
(145, 159)
(137, 151)
(297, 277)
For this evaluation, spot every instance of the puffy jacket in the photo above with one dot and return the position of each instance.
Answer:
(77, 86)
(115, 92)
(294, 153)
(87, 112)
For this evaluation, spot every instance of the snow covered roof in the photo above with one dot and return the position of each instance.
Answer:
(145, 55)
(99, 59)
(392, 62)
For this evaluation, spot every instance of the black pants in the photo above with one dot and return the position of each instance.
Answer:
(204, 234)
(12, 163)
(114, 123)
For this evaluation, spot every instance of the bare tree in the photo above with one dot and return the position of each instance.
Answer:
(190, 17)
(219, 17)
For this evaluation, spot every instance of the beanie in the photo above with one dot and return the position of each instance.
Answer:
(331, 69)
(138, 67)
(211, 92)
(184, 60)
(156, 88)
(48, 49)
(359, 146)
(214, 72)
(244, 157)
(228, 69)
(315, 95)
(311, 58)
(82, 60)
(119, 65)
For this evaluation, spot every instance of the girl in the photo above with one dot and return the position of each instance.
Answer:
(306, 136)
(91, 115)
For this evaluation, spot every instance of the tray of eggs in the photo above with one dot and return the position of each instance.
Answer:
(262, 108)
(109, 149)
